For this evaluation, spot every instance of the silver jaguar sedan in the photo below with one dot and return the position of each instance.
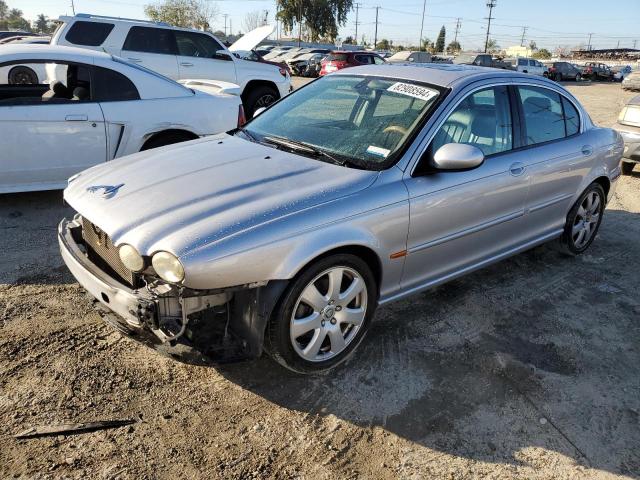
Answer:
(363, 187)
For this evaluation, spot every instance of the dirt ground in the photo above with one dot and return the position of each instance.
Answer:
(528, 369)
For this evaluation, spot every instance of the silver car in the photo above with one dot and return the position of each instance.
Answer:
(359, 189)
(629, 127)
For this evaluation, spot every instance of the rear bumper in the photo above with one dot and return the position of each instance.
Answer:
(135, 313)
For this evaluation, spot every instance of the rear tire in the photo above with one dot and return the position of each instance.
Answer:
(259, 97)
(583, 221)
(164, 139)
(627, 168)
(578, 77)
(323, 315)
(22, 76)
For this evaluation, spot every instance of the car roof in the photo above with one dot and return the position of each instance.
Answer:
(51, 52)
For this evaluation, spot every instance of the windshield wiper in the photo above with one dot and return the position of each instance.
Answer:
(304, 147)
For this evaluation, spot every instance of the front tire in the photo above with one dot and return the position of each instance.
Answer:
(578, 77)
(583, 220)
(259, 97)
(323, 315)
(627, 168)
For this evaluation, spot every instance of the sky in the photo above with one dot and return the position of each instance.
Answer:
(549, 23)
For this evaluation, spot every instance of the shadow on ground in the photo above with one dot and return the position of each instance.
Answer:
(538, 351)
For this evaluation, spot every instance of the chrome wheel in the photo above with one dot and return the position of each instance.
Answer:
(328, 314)
(586, 220)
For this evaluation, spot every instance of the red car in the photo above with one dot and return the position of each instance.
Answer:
(339, 59)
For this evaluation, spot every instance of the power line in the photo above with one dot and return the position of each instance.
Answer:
(491, 4)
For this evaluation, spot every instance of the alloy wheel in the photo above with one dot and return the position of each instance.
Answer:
(265, 100)
(586, 220)
(328, 314)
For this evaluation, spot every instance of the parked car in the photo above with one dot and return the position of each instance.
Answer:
(632, 81)
(482, 60)
(255, 56)
(12, 33)
(33, 41)
(307, 65)
(621, 73)
(597, 71)
(96, 108)
(405, 56)
(339, 59)
(560, 71)
(180, 53)
(530, 65)
(363, 187)
(628, 126)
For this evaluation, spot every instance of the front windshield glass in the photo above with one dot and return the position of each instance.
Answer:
(361, 121)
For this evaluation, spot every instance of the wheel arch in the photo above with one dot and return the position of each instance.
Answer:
(187, 134)
(605, 183)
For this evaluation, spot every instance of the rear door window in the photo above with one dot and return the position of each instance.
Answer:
(90, 34)
(337, 57)
(543, 115)
(364, 59)
(150, 40)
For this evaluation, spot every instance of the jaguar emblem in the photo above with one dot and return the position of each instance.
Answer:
(108, 191)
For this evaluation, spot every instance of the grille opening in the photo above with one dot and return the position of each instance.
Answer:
(104, 255)
(105, 297)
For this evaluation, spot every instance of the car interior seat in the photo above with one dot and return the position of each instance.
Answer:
(57, 89)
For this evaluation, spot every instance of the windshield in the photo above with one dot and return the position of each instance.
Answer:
(463, 59)
(362, 121)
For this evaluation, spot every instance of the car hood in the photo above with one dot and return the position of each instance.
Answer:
(184, 196)
(250, 40)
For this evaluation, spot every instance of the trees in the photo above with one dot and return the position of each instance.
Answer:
(12, 19)
(183, 13)
(492, 46)
(252, 20)
(542, 54)
(384, 44)
(349, 40)
(322, 17)
(439, 47)
(454, 47)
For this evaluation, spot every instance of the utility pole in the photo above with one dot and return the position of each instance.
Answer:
(524, 31)
(491, 4)
(73, 7)
(230, 27)
(375, 38)
(225, 15)
(357, 22)
(589, 46)
(299, 22)
(635, 42)
(424, 8)
(458, 25)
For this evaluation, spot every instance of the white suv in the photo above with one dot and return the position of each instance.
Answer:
(532, 66)
(179, 53)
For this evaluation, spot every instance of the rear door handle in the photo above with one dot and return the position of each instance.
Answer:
(517, 169)
(134, 60)
(186, 64)
(76, 118)
(587, 150)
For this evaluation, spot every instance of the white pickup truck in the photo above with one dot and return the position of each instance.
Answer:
(180, 53)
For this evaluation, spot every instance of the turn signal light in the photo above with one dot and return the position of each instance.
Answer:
(242, 119)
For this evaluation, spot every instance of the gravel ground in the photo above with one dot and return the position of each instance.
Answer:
(527, 369)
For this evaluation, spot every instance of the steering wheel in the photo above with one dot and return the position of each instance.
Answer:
(396, 129)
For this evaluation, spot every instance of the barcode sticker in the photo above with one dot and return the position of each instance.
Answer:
(416, 91)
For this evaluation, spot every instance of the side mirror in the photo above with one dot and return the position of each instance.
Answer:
(458, 156)
(259, 111)
(222, 55)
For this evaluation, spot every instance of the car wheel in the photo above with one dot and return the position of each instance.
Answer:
(323, 315)
(22, 76)
(258, 98)
(164, 139)
(627, 168)
(578, 77)
(584, 220)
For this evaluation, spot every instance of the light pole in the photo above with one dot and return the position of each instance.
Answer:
(424, 8)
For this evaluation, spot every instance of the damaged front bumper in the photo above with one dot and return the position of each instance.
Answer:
(197, 327)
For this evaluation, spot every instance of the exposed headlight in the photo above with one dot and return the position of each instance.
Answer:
(168, 267)
(131, 258)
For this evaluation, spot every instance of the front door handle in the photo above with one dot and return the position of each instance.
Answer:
(516, 169)
(186, 64)
(134, 60)
(587, 150)
(76, 118)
